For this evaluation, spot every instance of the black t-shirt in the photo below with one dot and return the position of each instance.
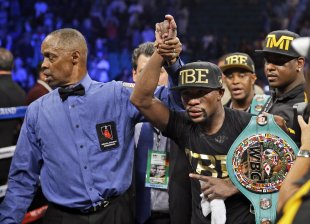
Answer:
(207, 156)
(283, 106)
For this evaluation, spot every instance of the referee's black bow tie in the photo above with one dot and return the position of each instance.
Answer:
(64, 93)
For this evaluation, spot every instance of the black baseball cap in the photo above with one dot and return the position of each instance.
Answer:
(238, 60)
(302, 46)
(280, 42)
(199, 75)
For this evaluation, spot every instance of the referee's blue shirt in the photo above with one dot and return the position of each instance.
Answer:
(59, 142)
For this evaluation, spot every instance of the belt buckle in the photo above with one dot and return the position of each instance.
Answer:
(105, 203)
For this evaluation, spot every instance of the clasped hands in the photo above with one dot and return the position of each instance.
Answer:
(167, 43)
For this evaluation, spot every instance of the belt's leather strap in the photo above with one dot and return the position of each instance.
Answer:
(100, 206)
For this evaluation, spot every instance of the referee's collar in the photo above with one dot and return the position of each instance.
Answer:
(86, 81)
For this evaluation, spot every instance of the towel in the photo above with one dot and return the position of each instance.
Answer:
(216, 207)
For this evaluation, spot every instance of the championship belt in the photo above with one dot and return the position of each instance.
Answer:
(258, 103)
(258, 162)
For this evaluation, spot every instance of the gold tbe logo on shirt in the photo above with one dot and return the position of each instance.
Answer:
(282, 43)
(210, 165)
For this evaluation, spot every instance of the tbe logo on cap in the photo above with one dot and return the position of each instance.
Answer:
(188, 76)
(199, 75)
(283, 43)
(237, 59)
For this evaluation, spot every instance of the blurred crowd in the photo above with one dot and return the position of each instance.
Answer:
(113, 28)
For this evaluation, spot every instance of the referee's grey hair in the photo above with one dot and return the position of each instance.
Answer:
(70, 39)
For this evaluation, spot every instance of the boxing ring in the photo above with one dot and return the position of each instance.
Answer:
(6, 153)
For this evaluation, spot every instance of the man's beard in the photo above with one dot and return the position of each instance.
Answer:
(204, 114)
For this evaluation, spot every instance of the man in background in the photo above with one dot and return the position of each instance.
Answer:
(284, 71)
(154, 204)
(226, 97)
(11, 95)
(239, 76)
(39, 89)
